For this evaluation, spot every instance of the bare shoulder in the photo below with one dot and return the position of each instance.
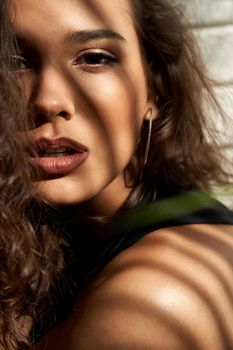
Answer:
(171, 290)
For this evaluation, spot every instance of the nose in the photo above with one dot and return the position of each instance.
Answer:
(52, 96)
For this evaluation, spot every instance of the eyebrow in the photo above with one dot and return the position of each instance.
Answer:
(83, 36)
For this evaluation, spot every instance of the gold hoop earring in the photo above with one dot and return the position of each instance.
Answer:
(148, 140)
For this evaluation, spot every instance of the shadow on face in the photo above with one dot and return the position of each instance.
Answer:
(84, 78)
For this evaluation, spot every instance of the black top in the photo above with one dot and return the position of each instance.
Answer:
(92, 254)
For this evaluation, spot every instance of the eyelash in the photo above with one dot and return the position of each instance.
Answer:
(96, 59)
(17, 60)
(88, 60)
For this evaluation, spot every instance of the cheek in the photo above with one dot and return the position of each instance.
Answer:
(27, 82)
(117, 129)
(120, 103)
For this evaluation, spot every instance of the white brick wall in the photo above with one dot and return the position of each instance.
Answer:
(217, 47)
(209, 12)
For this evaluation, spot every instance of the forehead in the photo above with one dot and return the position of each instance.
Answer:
(57, 16)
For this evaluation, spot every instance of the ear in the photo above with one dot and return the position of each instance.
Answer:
(152, 111)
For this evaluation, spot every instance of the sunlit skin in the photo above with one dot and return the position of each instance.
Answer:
(89, 87)
(173, 288)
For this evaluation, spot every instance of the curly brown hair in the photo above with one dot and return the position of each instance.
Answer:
(31, 256)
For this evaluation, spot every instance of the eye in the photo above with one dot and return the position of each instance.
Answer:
(20, 63)
(95, 59)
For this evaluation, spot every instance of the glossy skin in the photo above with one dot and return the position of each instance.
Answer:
(93, 91)
(171, 290)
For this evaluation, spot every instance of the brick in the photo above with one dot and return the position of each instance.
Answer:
(207, 12)
(216, 44)
(224, 125)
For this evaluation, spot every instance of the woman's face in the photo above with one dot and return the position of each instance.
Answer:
(85, 80)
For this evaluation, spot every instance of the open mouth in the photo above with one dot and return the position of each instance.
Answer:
(58, 157)
(62, 152)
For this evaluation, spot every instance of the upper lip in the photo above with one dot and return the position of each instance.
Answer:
(44, 144)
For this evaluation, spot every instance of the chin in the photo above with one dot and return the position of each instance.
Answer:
(61, 193)
(74, 190)
(66, 192)
(61, 199)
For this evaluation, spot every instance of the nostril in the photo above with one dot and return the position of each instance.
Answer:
(64, 114)
(40, 119)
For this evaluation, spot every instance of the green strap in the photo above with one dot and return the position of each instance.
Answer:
(164, 210)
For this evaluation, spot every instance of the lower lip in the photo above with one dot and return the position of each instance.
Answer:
(60, 165)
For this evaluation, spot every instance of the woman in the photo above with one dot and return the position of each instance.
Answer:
(27, 272)
(116, 91)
